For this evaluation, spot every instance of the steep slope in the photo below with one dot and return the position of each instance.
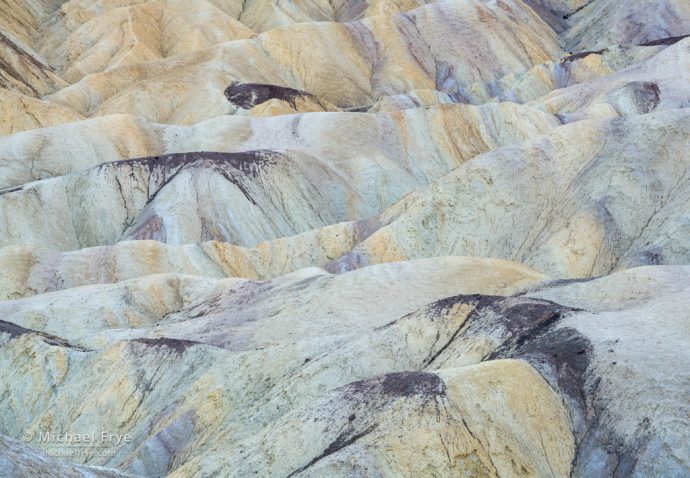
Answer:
(654, 84)
(420, 143)
(377, 238)
(21, 112)
(23, 71)
(378, 56)
(120, 34)
(164, 197)
(18, 459)
(600, 23)
(589, 198)
(349, 388)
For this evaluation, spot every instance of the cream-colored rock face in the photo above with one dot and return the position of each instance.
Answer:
(337, 238)
(573, 204)
(376, 57)
(404, 141)
(20, 112)
(349, 387)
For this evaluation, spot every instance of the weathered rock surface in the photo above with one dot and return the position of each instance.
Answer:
(18, 459)
(420, 143)
(343, 384)
(376, 57)
(590, 198)
(21, 112)
(381, 238)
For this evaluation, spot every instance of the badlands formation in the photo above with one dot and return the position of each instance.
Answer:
(345, 238)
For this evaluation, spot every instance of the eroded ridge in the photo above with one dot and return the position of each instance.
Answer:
(344, 238)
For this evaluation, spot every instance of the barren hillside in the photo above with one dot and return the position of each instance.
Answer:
(345, 238)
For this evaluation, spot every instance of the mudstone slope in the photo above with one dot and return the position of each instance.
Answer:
(344, 238)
